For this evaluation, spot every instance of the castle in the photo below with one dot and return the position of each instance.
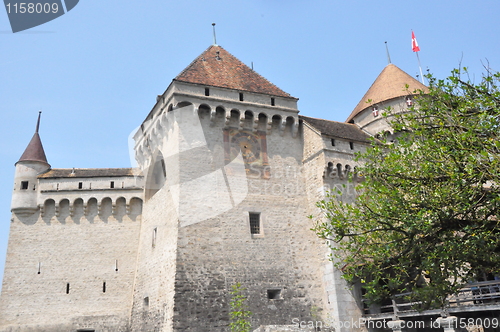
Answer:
(228, 172)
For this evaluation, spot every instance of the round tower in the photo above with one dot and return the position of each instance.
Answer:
(32, 163)
(392, 89)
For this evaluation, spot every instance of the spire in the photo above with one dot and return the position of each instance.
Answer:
(34, 151)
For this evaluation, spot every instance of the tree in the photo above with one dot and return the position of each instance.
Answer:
(239, 315)
(426, 218)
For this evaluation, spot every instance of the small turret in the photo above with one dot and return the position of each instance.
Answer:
(32, 162)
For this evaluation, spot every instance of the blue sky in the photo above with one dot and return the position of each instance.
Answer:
(95, 71)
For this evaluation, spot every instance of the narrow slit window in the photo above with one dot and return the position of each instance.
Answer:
(241, 96)
(39, 268)
(254, 223)
(207, 92)
(67, 288)
(155, 232)
(333, 141)
(116, 265)
(104, 287)
(112, 184)
(146, 301)
(80, 185)
(273, 103)
(351, 145)
(24, 185)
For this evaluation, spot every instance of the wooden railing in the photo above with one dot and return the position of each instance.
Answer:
(473, 294)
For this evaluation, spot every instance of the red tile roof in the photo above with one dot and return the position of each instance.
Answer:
(391, 83)
(217, 67)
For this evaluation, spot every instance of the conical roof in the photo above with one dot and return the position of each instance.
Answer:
(217, 67)
(34, 151)
(391, 83)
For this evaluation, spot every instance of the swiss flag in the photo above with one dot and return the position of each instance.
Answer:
(414, 44)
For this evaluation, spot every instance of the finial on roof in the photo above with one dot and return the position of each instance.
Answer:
(38, 122)
(388, 55)
(215, 38)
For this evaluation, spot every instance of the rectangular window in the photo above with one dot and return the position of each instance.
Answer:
(67, 288)
(272, 102)
(274, 294)
(207, 92)
(254, 223)
(351, 145)
(104, 287)
(80, 185)
(112, 184)
(153, 242)
(241, 96)
(333, 141)
(24, 185)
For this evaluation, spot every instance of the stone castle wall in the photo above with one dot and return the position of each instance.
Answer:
(66, 271)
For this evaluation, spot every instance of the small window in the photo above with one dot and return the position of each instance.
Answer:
(24, 185)
(104, 287)
(116, 265)
(273, 102)
(241, 96)
(39, 268)
(80, 185)
(146, 301)
(112, 184)
(333, 141)
(207, 92)
(67, 288)
(274, 294)
(153, 241)
(351, 145)
(254, 223)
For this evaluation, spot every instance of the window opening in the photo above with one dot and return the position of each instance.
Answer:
(116, 265)
(273, 102)
(351, 145)
(333, 141)
(254, 223)
(274, 294)
(67, 288)
(207, 92)
(146, 301)
(155, 232)
(104, 287)
(112, 184)
(39, 268)
(80, 185)
(24, 185)
(241, 96)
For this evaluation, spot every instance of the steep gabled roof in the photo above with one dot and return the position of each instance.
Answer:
(391, 83)
(217, 67)
(337, 129)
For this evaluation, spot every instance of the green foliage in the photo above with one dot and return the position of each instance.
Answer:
(239, 315)
(426, 218)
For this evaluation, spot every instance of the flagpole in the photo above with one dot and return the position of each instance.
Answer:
(415, 48)
(420, 67)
